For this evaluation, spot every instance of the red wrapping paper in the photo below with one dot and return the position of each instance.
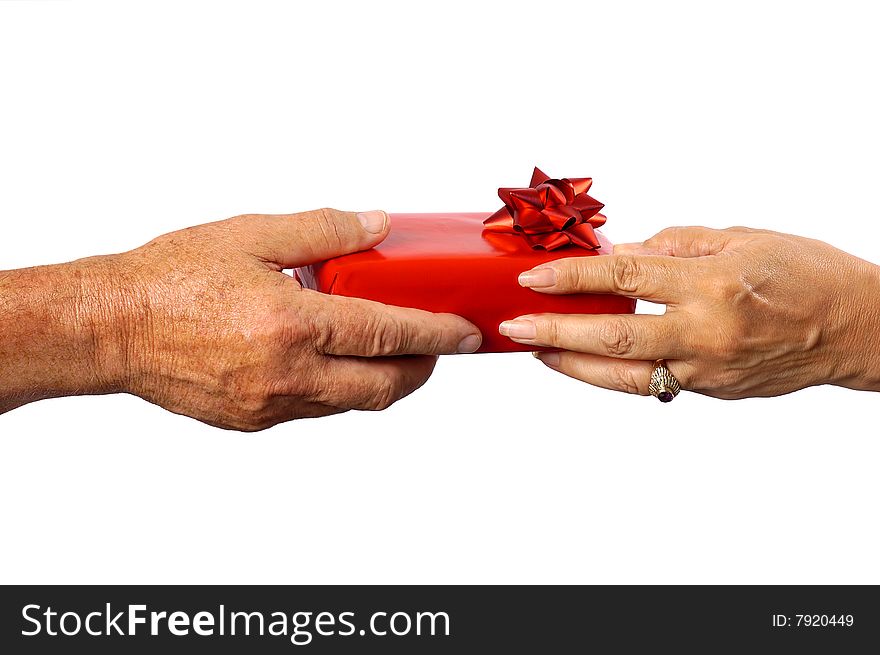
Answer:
(450, 263)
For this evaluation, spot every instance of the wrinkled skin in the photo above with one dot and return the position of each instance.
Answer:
(748, 313)
(203, 322)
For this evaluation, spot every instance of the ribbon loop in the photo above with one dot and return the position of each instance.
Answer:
(550, 213)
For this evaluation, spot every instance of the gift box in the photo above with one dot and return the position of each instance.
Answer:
(468, 263)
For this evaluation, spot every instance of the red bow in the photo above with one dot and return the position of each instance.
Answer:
(550, 213)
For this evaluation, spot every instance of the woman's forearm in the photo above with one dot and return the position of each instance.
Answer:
(860, 331)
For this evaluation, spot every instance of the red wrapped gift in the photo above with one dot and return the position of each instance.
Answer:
(468, 264)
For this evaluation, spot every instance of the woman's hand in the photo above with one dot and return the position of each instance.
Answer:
(748, 313)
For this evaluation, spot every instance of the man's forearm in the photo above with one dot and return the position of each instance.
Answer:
(50, 336)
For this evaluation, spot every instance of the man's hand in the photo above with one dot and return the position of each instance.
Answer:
(749, 313)
(204, 322)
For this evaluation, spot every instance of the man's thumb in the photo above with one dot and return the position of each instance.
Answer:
(292, 240)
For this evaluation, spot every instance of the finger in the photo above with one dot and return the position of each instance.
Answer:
(658, 279)
(372, 384)
(353, 326)
(291, 240)
(609, 373)
(679, 242)
(611, 335)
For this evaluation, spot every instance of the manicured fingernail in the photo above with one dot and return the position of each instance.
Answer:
(550, 359)
(373, 221)
(518, 329)
(538, 277)
(470, 343)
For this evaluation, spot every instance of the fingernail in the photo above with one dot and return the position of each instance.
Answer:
(630, 248)
(518, 329)
(470, 343)
(538, 277)
(373, 221)
(550, 359)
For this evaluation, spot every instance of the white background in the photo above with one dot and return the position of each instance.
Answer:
(120, 121)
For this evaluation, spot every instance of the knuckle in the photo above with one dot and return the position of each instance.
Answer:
(571, 275)
(324, 326)
(723, 286)
(548, 330)
(239, 221)
(626, 274)
(662, 240)
(326, 221)
(617, 338)
(666, 234)
(322, 338)
(580, 279)
(388, 337)
(276, 333)
(622, 379)
(434, 342)
(327, 214)
(383, 394)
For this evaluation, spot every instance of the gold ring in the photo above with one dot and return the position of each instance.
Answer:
(664, 387)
